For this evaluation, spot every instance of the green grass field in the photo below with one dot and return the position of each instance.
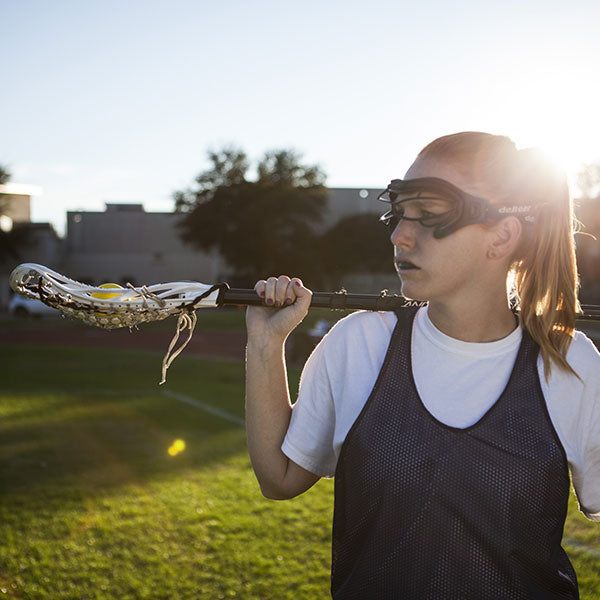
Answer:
(93, 506)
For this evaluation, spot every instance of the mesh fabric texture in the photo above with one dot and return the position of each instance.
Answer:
(428, 511)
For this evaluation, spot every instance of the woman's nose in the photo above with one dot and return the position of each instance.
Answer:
(405, 233)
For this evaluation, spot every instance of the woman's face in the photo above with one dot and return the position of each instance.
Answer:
(439, 269)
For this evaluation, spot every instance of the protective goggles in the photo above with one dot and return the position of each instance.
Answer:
(439, 204)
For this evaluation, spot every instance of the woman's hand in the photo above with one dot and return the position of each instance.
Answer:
(287, 303)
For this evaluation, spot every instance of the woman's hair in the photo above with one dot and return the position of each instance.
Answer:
(542, 278)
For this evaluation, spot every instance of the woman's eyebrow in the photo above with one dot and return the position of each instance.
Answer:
(403, 196)
(432, 199)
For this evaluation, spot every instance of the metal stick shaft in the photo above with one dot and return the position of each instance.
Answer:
(333, 300)
(337, 300)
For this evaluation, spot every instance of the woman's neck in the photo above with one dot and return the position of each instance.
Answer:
(475, 322)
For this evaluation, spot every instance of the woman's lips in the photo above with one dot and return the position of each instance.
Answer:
(406, 265)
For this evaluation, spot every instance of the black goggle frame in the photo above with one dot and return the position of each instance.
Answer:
(466, 208)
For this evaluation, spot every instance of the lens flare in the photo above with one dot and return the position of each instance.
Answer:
(176, 447)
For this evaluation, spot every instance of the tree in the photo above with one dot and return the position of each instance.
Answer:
(4, 175)
(264, 227)
(588, 180)
(10, 241)
(355, 244)
(588, 241)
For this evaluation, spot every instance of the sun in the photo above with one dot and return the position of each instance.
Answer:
(553, 107)
(571, 151)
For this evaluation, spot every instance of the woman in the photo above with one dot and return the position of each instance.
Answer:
(450, 429)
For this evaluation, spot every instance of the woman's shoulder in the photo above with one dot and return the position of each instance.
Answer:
(584, 359)
(583, 352)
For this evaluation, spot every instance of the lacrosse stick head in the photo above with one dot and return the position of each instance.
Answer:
(125, 307)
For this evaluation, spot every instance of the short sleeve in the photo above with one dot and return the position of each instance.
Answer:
(585, 436)
(590, 487)
(309, 439)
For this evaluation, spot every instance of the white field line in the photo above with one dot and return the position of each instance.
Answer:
(580, 547)
(202, 406)
(217, 412)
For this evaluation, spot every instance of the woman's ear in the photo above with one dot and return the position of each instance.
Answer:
(504, 239)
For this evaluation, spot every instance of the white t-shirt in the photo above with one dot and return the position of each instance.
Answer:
(457, 381)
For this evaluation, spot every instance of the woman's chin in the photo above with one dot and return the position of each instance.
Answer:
(409, 289)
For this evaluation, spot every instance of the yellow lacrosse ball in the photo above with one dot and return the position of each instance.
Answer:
(106, 296)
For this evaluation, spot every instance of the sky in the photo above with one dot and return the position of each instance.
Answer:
(119, 101)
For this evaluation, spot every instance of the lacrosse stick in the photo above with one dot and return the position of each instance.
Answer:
(128, 307)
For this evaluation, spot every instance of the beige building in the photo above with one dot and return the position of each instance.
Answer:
(15, 203)
(343, 202)
(40, 241)
(126, 244)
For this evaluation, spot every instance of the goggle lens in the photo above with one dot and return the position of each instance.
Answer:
(428, 211)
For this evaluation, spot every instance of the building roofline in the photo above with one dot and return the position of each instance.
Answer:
(20, 189)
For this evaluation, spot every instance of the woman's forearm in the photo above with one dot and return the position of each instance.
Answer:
(268, 412)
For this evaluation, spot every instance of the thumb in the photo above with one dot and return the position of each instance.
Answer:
(303, 294)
